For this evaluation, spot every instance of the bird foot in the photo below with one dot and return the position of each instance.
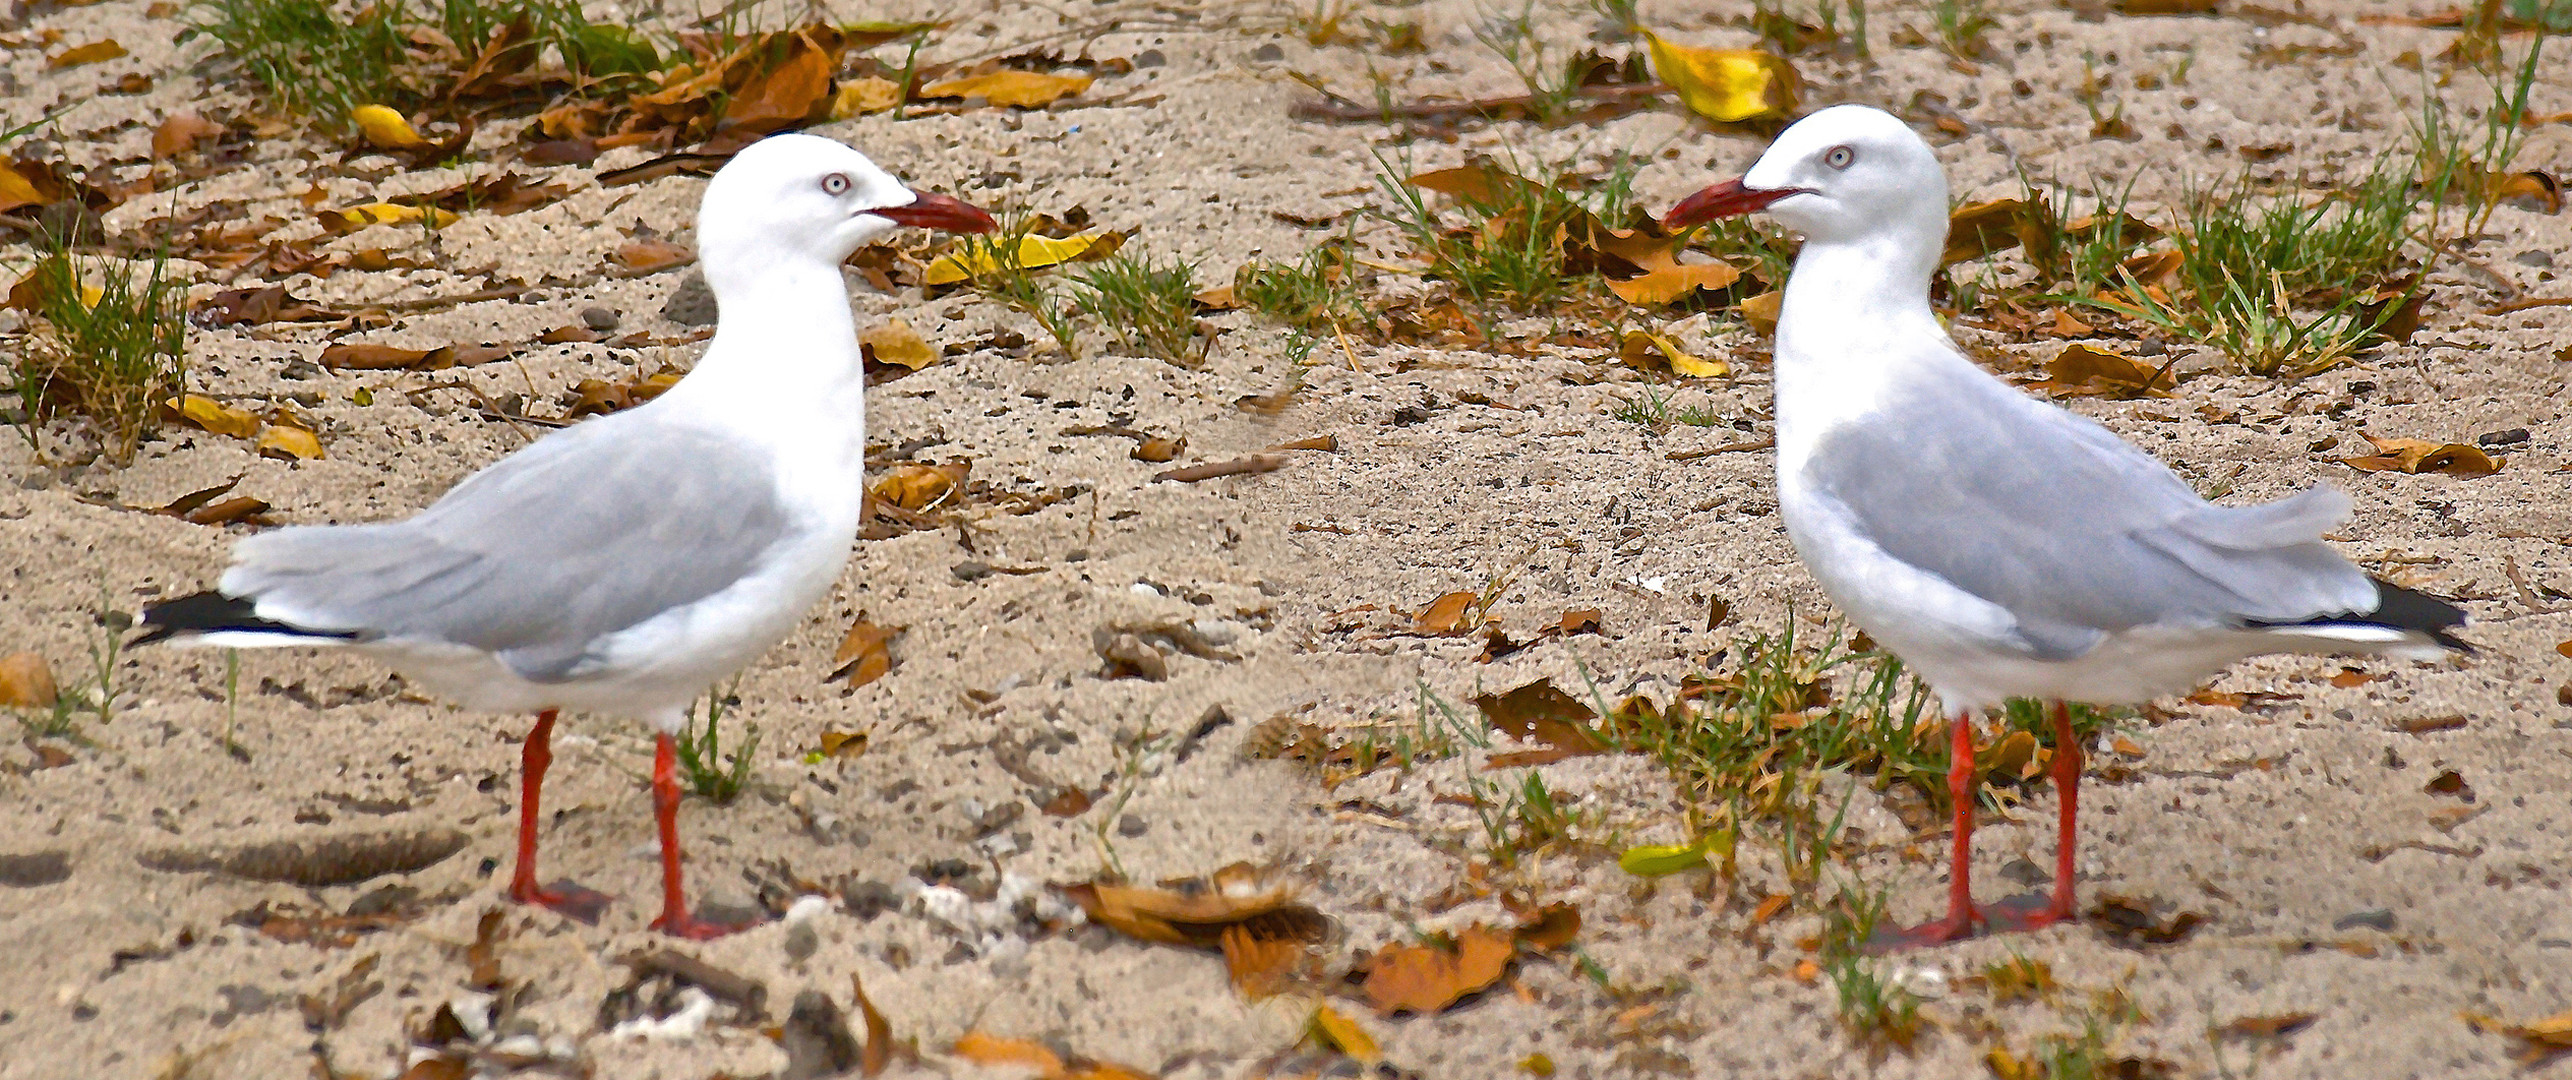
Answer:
(684, 925)
(2027, 911)
(569, 899)
(1955, 927)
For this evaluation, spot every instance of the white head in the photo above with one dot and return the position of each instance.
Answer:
(790, 198)
(1846, 174)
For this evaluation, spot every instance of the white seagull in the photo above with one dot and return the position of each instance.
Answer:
(625, 564)
(2001, 546)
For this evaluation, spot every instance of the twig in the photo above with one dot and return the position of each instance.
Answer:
(1727, 448)
(1317, 442)
(2526, 593)
(2531, 302)
(1634, 96)
(1255, 463)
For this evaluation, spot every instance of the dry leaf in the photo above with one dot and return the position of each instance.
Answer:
(858, 97)
(386, 128)
(919, 487)
(289, 441)
(981, 1049)
(1197, 911)
(1729, 85)
(1337, 1032)
(1978, 229)
(1446, 615)
(1010, 89)
(1552, 927)
(2087, 369)
(894, 342)
(91, 53)
(844, 744)
(1647, 350)
(650, 256)
(877, 1053)
(215, 416)
(1539, 713)
(2420, 456)
(16, 190)
(1034, 252)
(865, 653)
(2542, 1039)
(1760, 312)
(1260, 965)
(374, 356)
(350, 220)
(180, 133)
(1427, 978)
(1159, 448)
(1656, 287)
(27, 682)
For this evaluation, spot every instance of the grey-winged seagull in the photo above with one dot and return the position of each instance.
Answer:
(625, 564)
(2001, 546)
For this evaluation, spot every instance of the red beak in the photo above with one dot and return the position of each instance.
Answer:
(1727, 199)
(930, 210)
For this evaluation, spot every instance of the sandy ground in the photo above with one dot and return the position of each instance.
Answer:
(2276, 823)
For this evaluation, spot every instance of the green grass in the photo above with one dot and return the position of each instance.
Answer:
(96, 693)
(1503, 247)
(710, 771)
(2457, 159)
(1651, 409)
(1789, 34)
(108, 362)
(1029, 289)
(1878, 1014)
(1962, 26)
(1147, 306)
(1553, 81)
(1316, 290)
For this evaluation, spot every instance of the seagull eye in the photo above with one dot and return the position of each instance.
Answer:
(1840, 157)
(835, 184)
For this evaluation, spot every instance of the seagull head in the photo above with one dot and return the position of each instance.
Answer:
(1846, 173)
(803, 195)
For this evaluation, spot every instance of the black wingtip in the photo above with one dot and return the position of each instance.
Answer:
(2405, 609)
(209, 612)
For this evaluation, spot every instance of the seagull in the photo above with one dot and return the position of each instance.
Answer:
(2003, 547)
(625, 564)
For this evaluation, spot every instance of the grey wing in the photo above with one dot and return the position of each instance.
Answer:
(2071, 530)
(587, 532)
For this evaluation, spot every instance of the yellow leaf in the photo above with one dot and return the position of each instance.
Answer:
(1730, 85)
(1033, 252)
(1761, 312)
(1022, 89)
(2422, 456)
(843, 744)
(919, 487)
(858, 97)
(359, 217)
(894, 342)
(1640, 345)
(1340, 1033)
(91, 53)
(1663, 285)
(216, 416)
(385, 128)
(1656, 860)
(289, 441)
(15, 190)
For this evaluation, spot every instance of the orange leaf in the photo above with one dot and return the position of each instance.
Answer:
(1428, 978)
(182, 132)
(981, 1049)
(2421, 456)
(865, 653)
(91, 53)
(1446, 615)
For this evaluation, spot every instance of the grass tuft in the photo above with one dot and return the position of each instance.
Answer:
(710, 771)
(1148, 306)
(308, 56)
(108, 350)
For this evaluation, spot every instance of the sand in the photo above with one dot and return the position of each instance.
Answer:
(2331, 881)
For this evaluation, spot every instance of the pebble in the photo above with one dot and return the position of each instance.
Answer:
(2379, 919)
(2503, 437)
(1131, 826)
(2026, 873)
(691, 302)
(300, 368)
(868, 899)
(2544, 259)
(601, 319)
(972, 570)
(1268, 54)
(1150, 58)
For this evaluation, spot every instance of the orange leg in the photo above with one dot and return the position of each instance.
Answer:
(571, 900)
(1961, 916)
(675, 919)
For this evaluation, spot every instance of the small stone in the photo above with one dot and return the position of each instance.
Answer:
(1077, 555)
(801, 942)
(2151, 346)
(868, 899)
(299, 369)
(2026, 873)
(691, 303)
(1150, 58)
(381, 901)
(2503, 437)
(1268, 54)
(2563, 694)
(817, 1039)
(2544, 259)
(35, 868)
(1131, 826)
(601, 319)
(2379, 919)
(972, 570)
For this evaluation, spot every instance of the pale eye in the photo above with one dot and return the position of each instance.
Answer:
(835, 184)
(1840, 157)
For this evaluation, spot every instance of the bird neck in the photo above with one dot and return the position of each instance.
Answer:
(1855, 317)
(783, 334)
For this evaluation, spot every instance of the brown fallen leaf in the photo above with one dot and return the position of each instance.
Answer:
(27, 682)
(2539, 1040)
(650, 256)
(104, 49)
(877, 1052)
(1665, 284)
(263, 304)
(1539, 713)
(1578, 621)
(2132, 923)
(293, 442)
(919, 487)
(1978, 229)
(844, 744)
(2084, 370)
(1197, 911)
(2423, 725)
(1261, 965)
(2349, 677)
(375, 356)
(894, 342)
(2422, 456)
(1426, 978)
(1551, 927)
(1159, 449)
(1447, 615)
(865, 652)
(982, 1049)
(16, 190)
(1010, 89)
(180, 133)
